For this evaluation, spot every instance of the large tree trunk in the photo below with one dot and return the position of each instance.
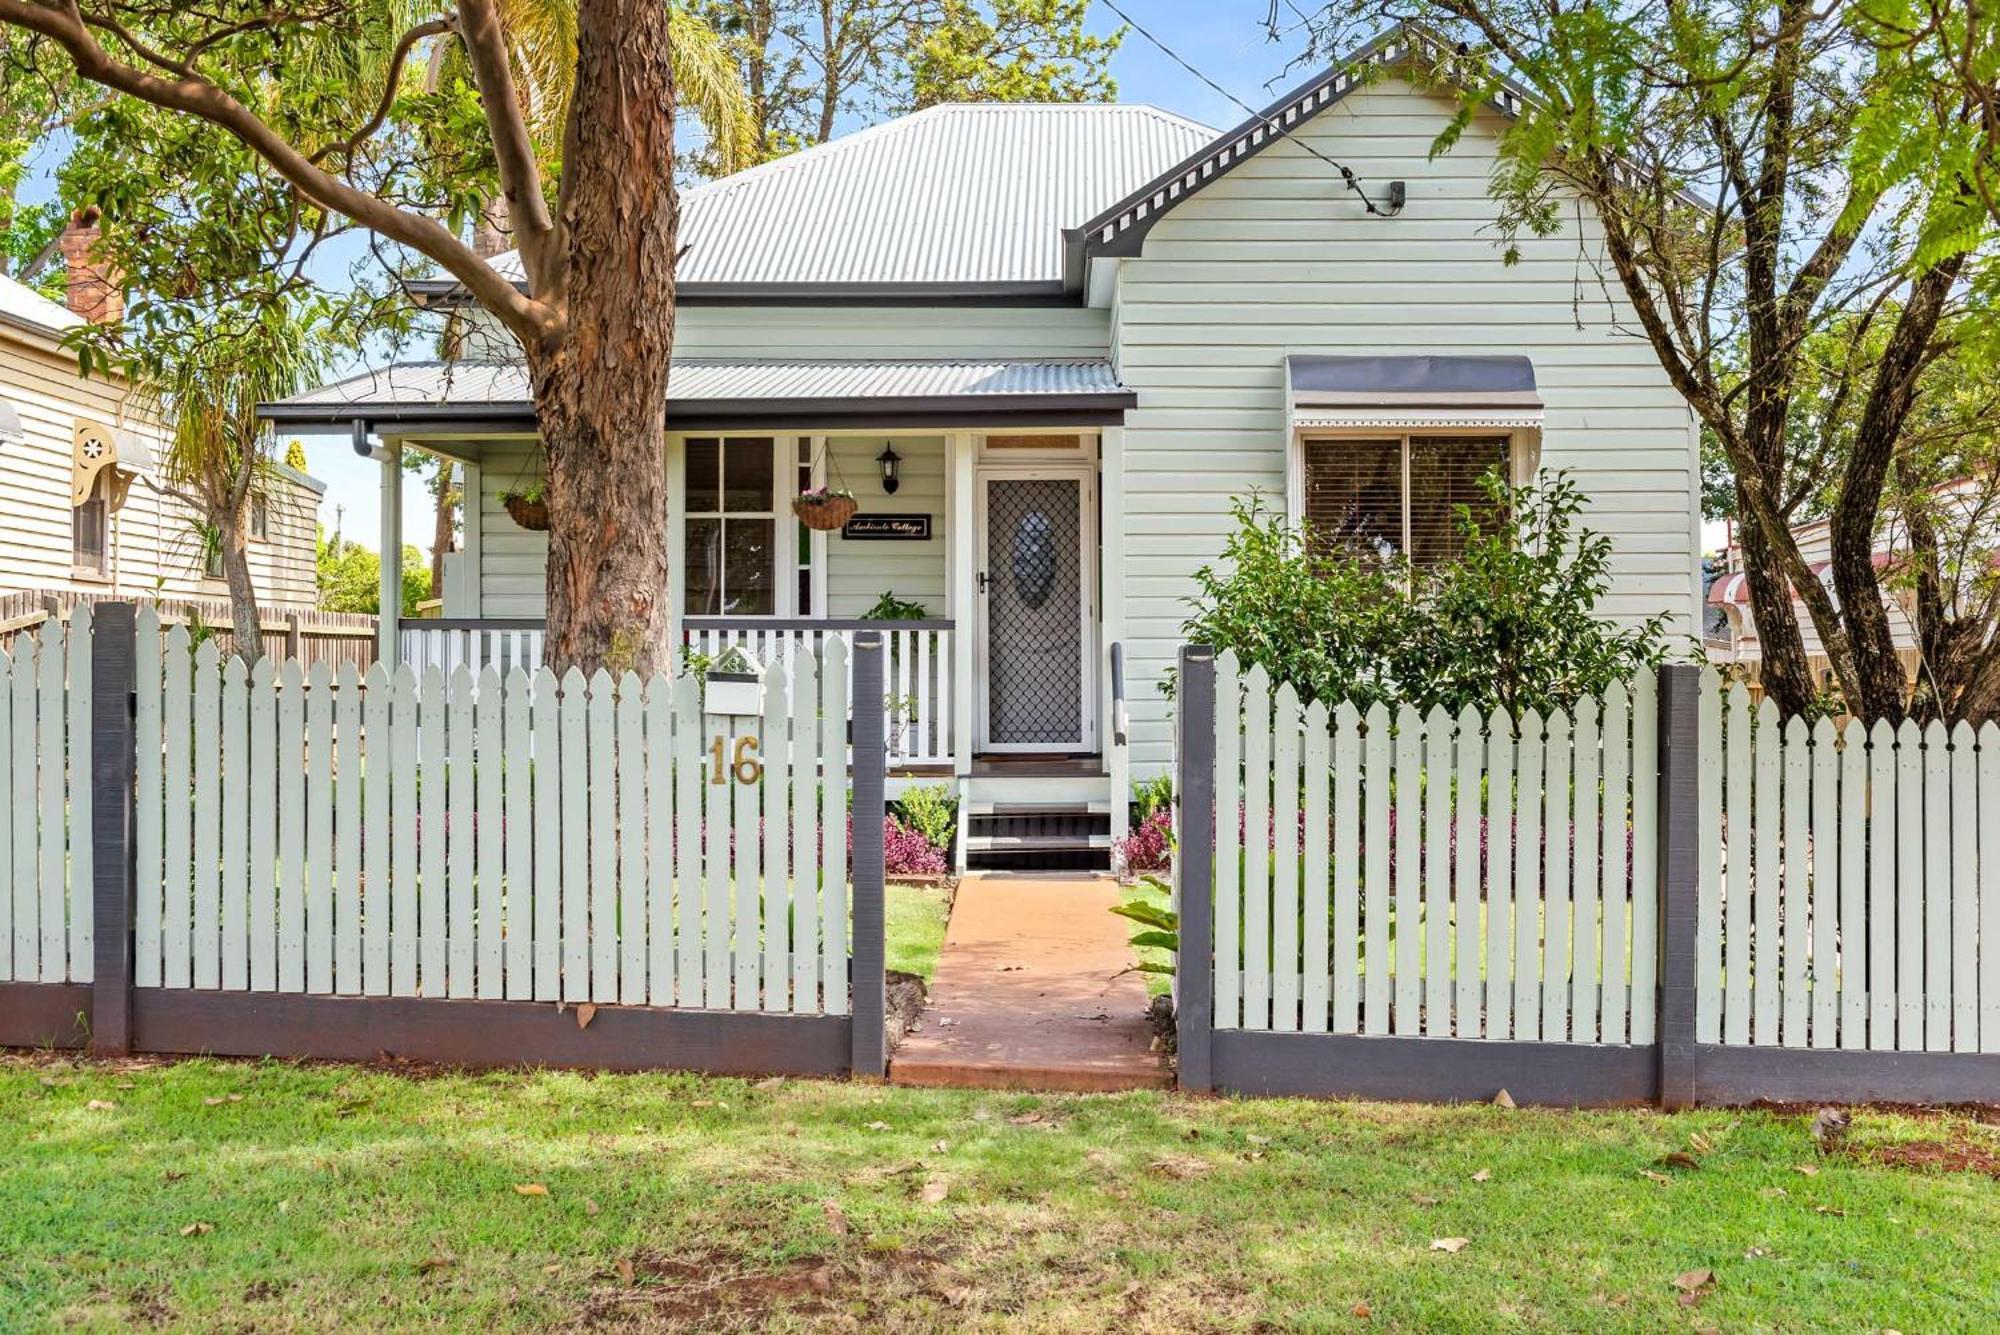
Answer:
(601, 390)
(1783, 671)
(245, 633)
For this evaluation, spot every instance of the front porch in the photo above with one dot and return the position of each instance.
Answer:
(1008, 684)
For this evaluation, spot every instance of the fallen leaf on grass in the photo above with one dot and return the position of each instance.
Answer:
(1770, 1193)
(771, 1082)
(585, 1014)
(1678, 1159)
(1503, 1100)
(1452, 1245)
(625, 1271)
(1033, 1117)
(935, 1191)
(1694, 1280)
(878, 1126)
(940, 1147)
(1418, 1198)
(1834, 1210)
(1806, 1169)
(430, 1263)
(1258, 1140)
(1652, 1176)
(1360, 1311)
(197, 1228)
(173, 1174)
(530, 1189)
(589, 1206)
(836, 1219)
(100, 1105)
(1483, 1175)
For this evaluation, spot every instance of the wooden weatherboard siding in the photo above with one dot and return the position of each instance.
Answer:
(1278, 257)
(154, 548)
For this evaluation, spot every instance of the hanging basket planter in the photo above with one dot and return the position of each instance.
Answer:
(824, 510)
(530, 512)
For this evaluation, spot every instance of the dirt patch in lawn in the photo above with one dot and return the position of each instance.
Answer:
(715, 1290)
(1937, 1156)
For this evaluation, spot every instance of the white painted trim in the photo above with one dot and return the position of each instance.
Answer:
(471, 569)
(389, 613)
(961, 532)
(676, 544)
(1111, 620)
(1085, 474)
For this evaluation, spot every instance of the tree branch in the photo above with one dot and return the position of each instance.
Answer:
(196, 96)
(536, 233)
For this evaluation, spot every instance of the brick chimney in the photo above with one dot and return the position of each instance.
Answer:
(96, 288)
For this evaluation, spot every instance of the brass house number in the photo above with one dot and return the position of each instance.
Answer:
(743, 764)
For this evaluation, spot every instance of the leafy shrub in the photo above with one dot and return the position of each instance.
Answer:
(1160, 927)
(905, 852)
(891, 608)
(932, 811)
(1150, 795)
(1147, 846)
(1510, 624)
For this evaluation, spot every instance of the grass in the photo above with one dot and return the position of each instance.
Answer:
(913, 919)
(214, 1195)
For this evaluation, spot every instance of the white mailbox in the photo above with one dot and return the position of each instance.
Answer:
(735, 685)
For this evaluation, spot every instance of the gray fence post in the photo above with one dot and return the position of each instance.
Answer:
(112, 760)
(1680, 745)
(1194, 863)
(870, 769)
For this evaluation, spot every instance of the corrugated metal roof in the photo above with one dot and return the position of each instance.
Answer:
(477, 385)
(950, 194)
(23, 305)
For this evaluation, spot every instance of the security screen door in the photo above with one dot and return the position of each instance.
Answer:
(1033, 579)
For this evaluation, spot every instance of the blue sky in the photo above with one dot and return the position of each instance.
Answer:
(1224, 39)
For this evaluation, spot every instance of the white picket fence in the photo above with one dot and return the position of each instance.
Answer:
(1397, 873)
(521, 838)
(45, 846)
(1854, 901)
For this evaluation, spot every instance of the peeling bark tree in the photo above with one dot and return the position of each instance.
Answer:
(355, 146)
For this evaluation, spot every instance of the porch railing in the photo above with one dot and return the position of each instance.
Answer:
(917, 670)
(916, 673)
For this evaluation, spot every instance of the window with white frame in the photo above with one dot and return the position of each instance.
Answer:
(1386, 496)
(732, 526)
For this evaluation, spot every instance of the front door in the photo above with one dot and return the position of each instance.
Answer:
(1035, 610)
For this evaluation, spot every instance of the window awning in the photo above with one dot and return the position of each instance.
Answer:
(1402, 393)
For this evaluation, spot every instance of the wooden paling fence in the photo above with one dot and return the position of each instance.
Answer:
(1855, 900)
(46, 853)
(307, 634)
(1660, 893)
(330, 863)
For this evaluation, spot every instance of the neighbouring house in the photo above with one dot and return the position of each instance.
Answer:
(1971, 531)
(80, 510)
(1046, 346)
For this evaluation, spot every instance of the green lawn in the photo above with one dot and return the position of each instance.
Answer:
(913, 918)
(211, 1195)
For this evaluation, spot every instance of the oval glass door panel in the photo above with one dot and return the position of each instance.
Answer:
(1034, 627)
(1034, 559)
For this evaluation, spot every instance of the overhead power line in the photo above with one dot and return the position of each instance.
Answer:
(1347, 175)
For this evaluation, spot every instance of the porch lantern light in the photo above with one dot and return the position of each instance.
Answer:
(889, 460)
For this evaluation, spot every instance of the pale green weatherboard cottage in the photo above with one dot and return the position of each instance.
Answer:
(1076, 333)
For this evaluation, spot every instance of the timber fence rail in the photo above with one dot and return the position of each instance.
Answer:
(1658, 895)
(206, 857)
(307, 634)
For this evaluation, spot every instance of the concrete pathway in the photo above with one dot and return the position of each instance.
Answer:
(1027, 993)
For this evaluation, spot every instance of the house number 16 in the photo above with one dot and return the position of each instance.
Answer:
(743, 762)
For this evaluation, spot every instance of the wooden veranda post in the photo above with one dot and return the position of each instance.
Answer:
(113, 645)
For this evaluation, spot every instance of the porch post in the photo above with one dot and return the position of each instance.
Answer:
(677, 545)
(471, 589)
(390, 610)
(964, 449)
(1111, 617)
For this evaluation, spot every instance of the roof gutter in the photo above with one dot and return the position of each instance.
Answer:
(448, 293)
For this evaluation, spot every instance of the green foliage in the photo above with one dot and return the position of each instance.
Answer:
(350, 577)
(1160, 926)
(1509, 624)
(932, 811)
(891, 608)
(1152, 795)
(1011, 51)
(295, 456)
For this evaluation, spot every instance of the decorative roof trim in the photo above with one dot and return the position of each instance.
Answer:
(1121, 229)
